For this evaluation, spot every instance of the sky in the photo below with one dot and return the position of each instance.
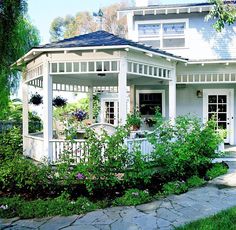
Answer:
(42, 12)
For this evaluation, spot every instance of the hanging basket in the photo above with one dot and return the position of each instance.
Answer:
(36, 99)
(59, 101)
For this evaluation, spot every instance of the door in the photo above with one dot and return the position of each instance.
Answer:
(218, 104)
(110, 111)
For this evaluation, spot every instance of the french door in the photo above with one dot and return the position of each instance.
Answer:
(218, 105)
(110, 111)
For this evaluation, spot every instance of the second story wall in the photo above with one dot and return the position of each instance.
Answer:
(197, 40)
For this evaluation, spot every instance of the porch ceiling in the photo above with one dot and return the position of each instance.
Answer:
(110, 79)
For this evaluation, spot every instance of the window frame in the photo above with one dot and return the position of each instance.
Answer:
(161, 36)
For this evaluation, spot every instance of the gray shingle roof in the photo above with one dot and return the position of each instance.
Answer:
(102, 38)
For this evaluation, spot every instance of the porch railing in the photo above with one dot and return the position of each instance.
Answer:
(78, 149)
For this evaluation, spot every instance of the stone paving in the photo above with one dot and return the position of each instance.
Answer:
(164, 214)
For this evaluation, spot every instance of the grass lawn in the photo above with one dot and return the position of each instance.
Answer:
(225, 220)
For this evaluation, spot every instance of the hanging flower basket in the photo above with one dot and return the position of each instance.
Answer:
(36, 99)
(59, 101)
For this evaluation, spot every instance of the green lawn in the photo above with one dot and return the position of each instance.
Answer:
(225, 220)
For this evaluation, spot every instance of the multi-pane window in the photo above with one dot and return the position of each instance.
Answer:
(163, 35)
(149, 103)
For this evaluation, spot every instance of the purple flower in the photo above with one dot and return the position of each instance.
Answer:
(80, 115)
(80, 176)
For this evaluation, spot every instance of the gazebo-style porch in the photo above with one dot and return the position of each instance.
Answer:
(88, 64)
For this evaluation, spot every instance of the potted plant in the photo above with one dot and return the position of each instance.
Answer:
(80, 115)
(134, 120)
(36, 99)
(59, 101)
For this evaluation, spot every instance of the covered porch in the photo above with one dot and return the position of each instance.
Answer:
(125, 71)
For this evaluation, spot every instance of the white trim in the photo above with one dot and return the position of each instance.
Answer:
(116, 104)
(230, 105)
(48, 50)
(152, 91)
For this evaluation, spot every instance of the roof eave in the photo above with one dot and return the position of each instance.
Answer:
(37, 51)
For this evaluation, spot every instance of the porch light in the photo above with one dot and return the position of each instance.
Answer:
(199, 93)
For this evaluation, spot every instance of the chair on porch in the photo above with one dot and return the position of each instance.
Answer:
(100, 127)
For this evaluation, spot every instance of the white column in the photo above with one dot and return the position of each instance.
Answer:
(172, 96)
(90, 103)
(122, 91)
(47, 110)
(132, 98)
(25, 115)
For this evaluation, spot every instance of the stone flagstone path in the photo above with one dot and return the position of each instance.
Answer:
(164, 214)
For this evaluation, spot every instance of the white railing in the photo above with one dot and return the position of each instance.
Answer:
(139, 143)
(78, 149)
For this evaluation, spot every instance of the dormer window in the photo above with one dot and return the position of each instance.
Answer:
(163, 34)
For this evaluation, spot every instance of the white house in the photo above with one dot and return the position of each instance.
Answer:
(174, 60)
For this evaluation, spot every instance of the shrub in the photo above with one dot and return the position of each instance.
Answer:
(107, 158)
(10, 144)
(176, 187)
(195, 181)
(180, 150)
(217, 170)
(133, 197)
(21, 175)
(61, 205)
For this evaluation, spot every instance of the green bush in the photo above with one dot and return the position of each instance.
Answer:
(218, 169)
(181, 150)
(195, 181)
(133, 197)
(107, 159)
(11, 144)
(176, 187)
(21, 175)
(61, 205)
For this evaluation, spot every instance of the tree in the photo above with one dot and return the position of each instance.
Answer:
(224, 12)
(84, 22)
(17, 36)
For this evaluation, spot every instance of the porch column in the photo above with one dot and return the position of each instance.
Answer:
(122, 91)
(47, 110)
(132, 98)
(172, 96)
(25, 117)
(90, 89)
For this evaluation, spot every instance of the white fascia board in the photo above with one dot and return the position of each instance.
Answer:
(158, 54)
(196, 9)
(211, 62)
(38, 51)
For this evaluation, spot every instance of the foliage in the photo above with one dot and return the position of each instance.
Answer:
(36, 99)
(188, 145)
(82, 104)
(195, 181)
(59, 101)
(13, 113)
(134, 119)
(223, 12)
(176, 187)
(17, 36)
(84, 22)
(19, 174)
(222, 220)
(139, 171)
(133, 197)
(61, 205)
(10, 144)
(217, 170)
(107, 158)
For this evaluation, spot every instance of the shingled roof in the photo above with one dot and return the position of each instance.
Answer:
(102, 39)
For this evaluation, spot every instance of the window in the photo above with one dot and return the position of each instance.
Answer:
(149, 102)
(163, 34)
